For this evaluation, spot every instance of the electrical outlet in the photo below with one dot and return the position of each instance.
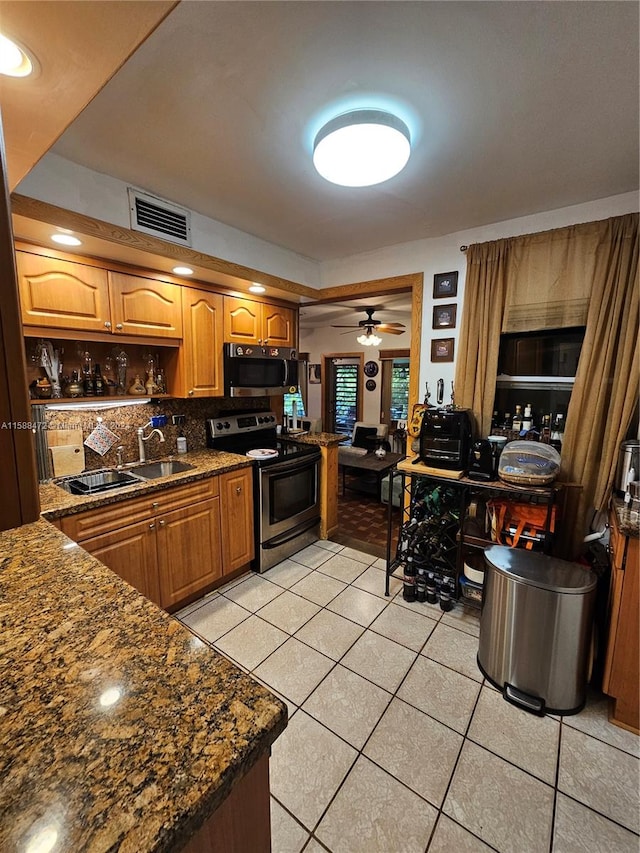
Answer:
(178, 420)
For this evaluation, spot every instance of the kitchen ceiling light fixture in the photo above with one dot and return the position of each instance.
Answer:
(66, 240)
(362, 148)
(257, 288)
(14, 61)
(369, 339)
(183, 270)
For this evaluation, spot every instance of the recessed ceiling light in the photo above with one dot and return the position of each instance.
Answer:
(14, 61)
(362, 148)
(183, 270)
(66, 240)
(257, 288)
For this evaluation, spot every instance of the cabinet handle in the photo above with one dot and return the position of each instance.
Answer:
(161, 522)
(238, 490)
(107, 324)
(190, 392)
(152, 526)
(155, 505)
(265, 341)
(119, 326)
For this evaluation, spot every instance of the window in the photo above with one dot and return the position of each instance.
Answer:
(288, 404)
(346, 391)
(399, 404)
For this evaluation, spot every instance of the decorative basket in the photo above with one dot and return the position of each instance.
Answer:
(529, 463)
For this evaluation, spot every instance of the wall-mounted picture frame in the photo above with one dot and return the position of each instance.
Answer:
(444, 316)
(442, 349)
(445, 284)
(315, 374)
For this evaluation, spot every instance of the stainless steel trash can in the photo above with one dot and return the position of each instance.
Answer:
(535, 629)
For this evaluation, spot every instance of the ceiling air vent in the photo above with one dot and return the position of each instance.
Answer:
(159, 217)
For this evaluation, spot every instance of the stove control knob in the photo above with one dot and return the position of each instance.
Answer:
(227, 425)
(260, 420)
(272, 418)
(218, 426)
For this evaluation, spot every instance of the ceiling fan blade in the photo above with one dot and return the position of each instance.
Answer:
(345, 327)
(393, 328)
(391, 331)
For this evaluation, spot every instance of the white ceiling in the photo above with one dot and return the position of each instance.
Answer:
(514, 108)
(389, 308)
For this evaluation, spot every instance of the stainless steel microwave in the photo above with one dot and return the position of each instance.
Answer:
(259, 371)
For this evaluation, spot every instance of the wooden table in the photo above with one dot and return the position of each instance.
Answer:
(370, 464)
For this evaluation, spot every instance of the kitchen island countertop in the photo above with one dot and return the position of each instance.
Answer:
(322, 439)
(119, 728)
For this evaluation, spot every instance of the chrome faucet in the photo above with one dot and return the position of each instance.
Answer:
(120, 452)
(142, 438)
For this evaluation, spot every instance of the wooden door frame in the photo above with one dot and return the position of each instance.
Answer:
(326, 358)
(413, 283)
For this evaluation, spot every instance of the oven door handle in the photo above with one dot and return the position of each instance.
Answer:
(295, 465)
(286, 371)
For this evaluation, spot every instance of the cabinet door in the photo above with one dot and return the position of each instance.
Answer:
(242, 320)
(143, 306)
(62, 295)
(189, 557)
(236, 493)
(200, 358)
(278, 326)
(130, 552)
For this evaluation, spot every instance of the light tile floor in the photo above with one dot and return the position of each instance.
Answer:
(395, 741)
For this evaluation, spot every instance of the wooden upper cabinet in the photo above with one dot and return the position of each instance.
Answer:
(242, 321)
(62, 295)
(198, 370)
(144, 306)
(248, 322)
(278, 325)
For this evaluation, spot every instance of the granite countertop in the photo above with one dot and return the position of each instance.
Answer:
(322, 439)
(119, 728)
(628, 519)
(56, 502)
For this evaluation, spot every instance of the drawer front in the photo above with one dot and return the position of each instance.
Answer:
(97, 521)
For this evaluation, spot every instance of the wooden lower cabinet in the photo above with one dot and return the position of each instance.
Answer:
(130, 552)
(182, 540)
(189, 558)
(621, 678)
(236, 491)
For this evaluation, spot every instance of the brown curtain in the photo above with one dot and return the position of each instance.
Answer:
(606, 388)
(484, 304)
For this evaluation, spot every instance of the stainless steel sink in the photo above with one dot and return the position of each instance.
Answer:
(98, 481)
(152, 470)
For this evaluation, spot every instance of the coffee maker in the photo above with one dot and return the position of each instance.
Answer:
(445, 438)
(482, 461)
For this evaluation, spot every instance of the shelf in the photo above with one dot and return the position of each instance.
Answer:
(536, 383)
(99, 402)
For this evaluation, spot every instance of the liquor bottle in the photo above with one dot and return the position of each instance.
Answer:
(98, 381)
(517, 420)
(506, 424)
(409, 581)
(557, 432)
(495, 420)
(88, 388)
(527, 418)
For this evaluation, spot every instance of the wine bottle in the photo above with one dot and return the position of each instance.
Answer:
(517, 419)
(446, 603)
(421, 584)
(431, 589)
(409, 580)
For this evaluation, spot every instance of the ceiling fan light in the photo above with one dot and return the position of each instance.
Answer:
(362, 148)
(369, 339)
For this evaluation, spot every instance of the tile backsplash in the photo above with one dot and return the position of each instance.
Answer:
(123, 421)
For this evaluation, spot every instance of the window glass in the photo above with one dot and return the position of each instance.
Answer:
(399, 403)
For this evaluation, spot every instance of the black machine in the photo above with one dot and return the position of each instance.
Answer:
(252, 370)
(445, 438)
(482, 461)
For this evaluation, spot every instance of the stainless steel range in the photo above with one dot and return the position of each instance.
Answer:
(286, 482)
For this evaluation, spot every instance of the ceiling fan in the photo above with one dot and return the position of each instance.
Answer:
(369, 326)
